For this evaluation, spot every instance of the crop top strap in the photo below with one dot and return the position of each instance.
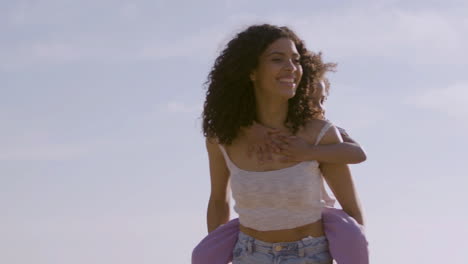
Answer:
(229, 163)
(323, 131)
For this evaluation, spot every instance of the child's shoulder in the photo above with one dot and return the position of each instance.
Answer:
(312, 129)
(316, 124)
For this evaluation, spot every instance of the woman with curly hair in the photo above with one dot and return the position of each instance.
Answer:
(347, 241)
(265, 74)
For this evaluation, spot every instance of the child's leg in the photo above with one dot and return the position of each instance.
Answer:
(346, 238)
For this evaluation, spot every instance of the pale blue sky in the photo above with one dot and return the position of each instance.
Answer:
(102, 159)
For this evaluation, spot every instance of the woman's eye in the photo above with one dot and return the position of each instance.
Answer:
(295, 61)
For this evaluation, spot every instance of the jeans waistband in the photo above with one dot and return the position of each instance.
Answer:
(311, 244)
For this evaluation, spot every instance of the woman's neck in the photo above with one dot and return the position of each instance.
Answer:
(272, 113)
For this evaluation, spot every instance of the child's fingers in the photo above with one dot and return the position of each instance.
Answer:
(273, 130)
(260, 154)
(281, 133)
(276, 148)
(284, 147)
(285, 152)
(290, 139)
(281, 140)
(267, 153)
(278, 134)
(276, 141)
(250, 150)
(272, 146)
(269, 149)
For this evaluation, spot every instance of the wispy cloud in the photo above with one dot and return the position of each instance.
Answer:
(181, 107)
(190, 45)
(43, 152)
(130, 10)
(452, 100)
(423, 37)
(420, 37)
(109, 47)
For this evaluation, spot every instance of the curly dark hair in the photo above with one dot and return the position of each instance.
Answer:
(230, 99)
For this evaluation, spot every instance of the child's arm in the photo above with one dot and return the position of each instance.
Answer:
(355, 149)
(347, 152)
(296, 149)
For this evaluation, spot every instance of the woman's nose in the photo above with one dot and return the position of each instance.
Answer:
(290, 65)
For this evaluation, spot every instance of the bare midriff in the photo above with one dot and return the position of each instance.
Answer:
(314, 229)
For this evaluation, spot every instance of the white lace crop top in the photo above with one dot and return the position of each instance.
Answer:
(279, 199)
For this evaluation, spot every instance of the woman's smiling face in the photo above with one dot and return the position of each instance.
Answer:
(279, 71)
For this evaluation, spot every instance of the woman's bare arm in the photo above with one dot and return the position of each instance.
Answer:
(218, 205)
(340, 180)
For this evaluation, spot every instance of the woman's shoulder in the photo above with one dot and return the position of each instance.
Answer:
(212, 144)
(211, 140)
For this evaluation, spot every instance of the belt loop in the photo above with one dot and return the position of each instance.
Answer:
(301, 246)
(301, 252)
(249, 246)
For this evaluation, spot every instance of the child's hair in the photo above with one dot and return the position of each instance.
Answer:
(315, 104)
(327, 86)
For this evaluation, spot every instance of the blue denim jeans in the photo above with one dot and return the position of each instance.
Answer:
(309, 250)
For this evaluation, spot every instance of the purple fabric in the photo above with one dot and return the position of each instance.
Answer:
(346, 238)
(217, 246)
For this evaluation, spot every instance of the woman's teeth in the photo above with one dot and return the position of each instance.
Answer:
(286, 80)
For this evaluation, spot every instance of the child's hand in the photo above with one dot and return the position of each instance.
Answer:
(260, 142)
(293, 148)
